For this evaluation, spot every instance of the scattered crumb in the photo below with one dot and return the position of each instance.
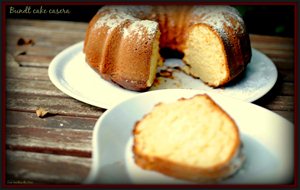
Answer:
(61, 124)
(42, 112)
(177, 68)
(21, 50)
(22, 53)
(178, 85)
(156, 82)
(166, 73)
(22, 42)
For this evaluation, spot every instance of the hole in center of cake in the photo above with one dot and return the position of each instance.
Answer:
(170, 53)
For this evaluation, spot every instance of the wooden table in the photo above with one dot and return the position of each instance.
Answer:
(57, 149)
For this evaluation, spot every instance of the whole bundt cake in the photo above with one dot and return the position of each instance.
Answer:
(122, 43)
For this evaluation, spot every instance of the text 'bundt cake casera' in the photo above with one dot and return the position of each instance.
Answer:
(192, 139)
(122, 43)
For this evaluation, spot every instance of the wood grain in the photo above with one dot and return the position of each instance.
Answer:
(42, 87)
(40, 168)
(63, 141)
(58, 105)
(21, 119)
(57, 148)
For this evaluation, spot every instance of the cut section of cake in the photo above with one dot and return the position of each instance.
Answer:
(191, 139)
(122, 43)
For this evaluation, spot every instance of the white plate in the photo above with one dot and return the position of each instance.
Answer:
(267, 138)
(69, 72)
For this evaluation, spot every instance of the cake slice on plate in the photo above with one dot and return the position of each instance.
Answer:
(191, 139)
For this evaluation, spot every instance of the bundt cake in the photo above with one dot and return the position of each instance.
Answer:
(191, 139)
(122, 43)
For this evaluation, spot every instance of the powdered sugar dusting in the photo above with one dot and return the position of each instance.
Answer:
(150, 26)
(199, 10)
(112, 20)
(115, 15)
(218, 16)
(214, 16)
(139, 26)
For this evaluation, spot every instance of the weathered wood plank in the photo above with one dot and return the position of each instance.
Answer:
(271, 39)
(286, 75)
(36, 49)
(287, 89)
(50, 24)
(30, 119)
(34, 64)
(54, 104)
(41, 32)
(24, 60)
(278, 103)
(261, 45)
(27, 73)
(278, 54)
(37, 87)
(284, 64)
(47, 40)
(33, 87)
(45, 168)
(63, 141)
(278, 46)
(39, 50)
(279, 49)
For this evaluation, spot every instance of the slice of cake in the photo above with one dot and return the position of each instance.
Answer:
(192, 139)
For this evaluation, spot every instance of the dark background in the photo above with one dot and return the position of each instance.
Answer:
(275, 20)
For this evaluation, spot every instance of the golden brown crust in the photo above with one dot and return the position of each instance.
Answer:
(183, 171)
(102, 47)
(238, 52)
(132, 75)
